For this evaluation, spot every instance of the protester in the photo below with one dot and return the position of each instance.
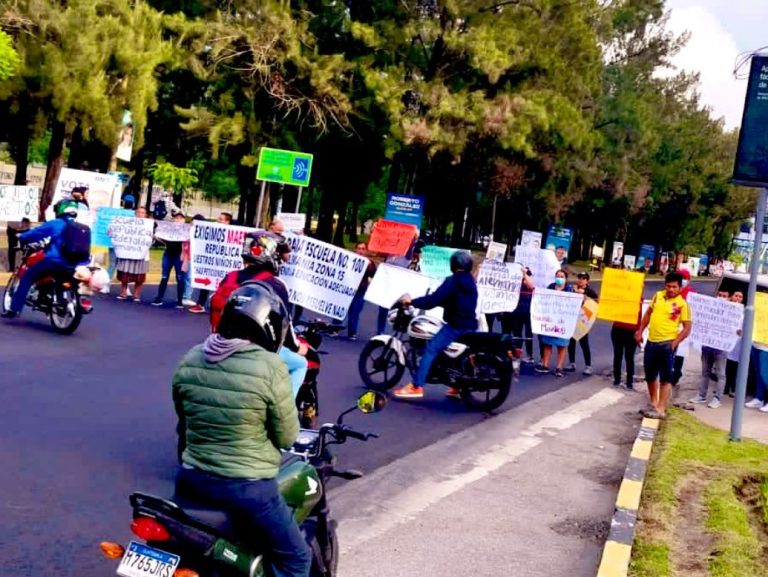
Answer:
(664, 317)
(712, 368)
(681, 354)
(132, 270)
(518, 322)
(582, 287)
(548, 342)
(172, 260)
(356, 306)
(734, 355)
(203, 294)
(624, 346)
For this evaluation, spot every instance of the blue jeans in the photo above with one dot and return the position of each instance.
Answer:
(171, 262)
(442, 339)
(35, 272)
(112, 264)
(297, 367)
(258, 511)
(381, 321)
(760, 364)
(353, 314)
(187, 287)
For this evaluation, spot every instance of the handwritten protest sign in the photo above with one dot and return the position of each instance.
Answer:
(716, 322)
(214, 251)
(391, 282)
(498, 286)
(172, 231)
(293, 221)
(17, 202)
(586, 320)
(322, 277)
(620, 295)
(761, 319)
(543, 264)
(131, 237)
(390, 237)
(496, 251)
(104, 217)
(555, 313)
(436, 261)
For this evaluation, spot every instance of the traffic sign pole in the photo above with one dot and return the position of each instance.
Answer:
(257, 220)
(298, 200)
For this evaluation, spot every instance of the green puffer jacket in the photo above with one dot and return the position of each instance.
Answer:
(235, 414)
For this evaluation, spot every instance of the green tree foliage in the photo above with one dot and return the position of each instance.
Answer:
(9, 59)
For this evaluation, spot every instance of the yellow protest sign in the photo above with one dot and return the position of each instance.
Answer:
(760, 334)
(620, 295)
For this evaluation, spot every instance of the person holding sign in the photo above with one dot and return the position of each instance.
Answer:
(666, 314)
(582, 286)
(712, 367)
(548, 342)
(172, 260)
(131, 270)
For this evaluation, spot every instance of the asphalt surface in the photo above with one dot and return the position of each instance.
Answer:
(87, 419)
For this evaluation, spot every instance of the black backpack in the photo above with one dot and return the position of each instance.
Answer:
(76, 242)
(159, 211)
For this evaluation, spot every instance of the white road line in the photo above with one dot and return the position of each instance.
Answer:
(401, 490)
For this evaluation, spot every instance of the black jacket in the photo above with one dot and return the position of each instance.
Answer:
(458, 297)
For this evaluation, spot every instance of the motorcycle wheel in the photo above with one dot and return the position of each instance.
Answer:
(379, 367)
(66, 317)
(10, 289)
(486, 383)
(331, 556)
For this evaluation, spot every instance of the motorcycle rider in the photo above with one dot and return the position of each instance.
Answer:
(54, 261)
(458, 297)
(233, 399)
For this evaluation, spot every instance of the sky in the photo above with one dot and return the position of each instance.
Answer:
(720, 31)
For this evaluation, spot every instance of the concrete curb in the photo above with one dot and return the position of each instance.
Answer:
(618, 548)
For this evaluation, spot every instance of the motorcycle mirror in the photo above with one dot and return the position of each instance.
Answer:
(371, 402)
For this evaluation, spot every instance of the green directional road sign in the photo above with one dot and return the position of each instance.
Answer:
(284, 166)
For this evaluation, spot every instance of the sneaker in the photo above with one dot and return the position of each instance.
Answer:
(157, 303)
(714, 403)
(409, 392)
(587, 371)
(763, 409)
(179, 306)
(559, 373)
(452, 393)
(188, 302)
(698, 399)
(197, 309)
(541, 369)
(616, 383)
(754, 404)
(571, 368)
(352, 337)
(529, 361)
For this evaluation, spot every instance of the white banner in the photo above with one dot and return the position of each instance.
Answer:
(131, 237)
(215, 250)
(555, 313)
(716, 322)
(498, 286)
(543, 264)
(172, 231)
(293, 221)
(322, 277)
(17, 202)
(391, 282)
(103, 190)
(496, 251)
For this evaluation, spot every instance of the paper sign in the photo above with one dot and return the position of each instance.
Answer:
(104, 217)
(496, 251)
(555, 313)
(391, 282)
(761, 319)
(587, 318)
(171, 231)
(103, 189)
(498, 286)
(715, 322)
(322, 277)
(214, 251)
(131, 237)
(436, 261)
(17, 202)
(531, 239)
(620, 295)
(293, 221)
(543, 264)
(389, 237)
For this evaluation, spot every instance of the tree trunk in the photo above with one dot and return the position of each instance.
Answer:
(148, 201)
(338, 237)
(246, 209)
(354, 228)
(55, 162)
(77, 152)
(395, 169)
(325, 218)
(21, 140)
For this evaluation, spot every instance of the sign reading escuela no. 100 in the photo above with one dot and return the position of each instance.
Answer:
(284, 166)
(751, 168)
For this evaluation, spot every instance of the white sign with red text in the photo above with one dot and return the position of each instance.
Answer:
(215, 250)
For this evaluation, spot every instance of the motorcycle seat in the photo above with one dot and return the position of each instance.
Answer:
(213, 518)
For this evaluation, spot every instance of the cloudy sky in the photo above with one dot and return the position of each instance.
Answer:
(720, 31)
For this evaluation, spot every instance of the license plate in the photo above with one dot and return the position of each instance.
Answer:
(144, 561)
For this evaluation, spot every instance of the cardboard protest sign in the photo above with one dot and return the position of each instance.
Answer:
(104, 217)
(543, 264)
(172, 231)
(586, 320)
(322, 277)
(17, 202)
(496, 251)
(761, 319)
(293, 221)
(436, 261)
(716, 322)
(131, 237)
(498, 286)
(389, 237)
(214, 251)
(555, 313)
(391, 282)
(620, 295)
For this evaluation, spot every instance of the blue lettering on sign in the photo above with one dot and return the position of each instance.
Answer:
(300, 168)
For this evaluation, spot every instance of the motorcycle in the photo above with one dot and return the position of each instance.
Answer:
(60, 295)
(480, 365)
(190, 540)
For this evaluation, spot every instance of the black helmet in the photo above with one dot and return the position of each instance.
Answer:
(461, 260)
(255, 313)
(260, 248)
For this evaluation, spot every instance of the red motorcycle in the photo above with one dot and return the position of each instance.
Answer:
(311, 334)
(56, 295)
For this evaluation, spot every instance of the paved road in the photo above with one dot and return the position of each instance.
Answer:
(86, 419)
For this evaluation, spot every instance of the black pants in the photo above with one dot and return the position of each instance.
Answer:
(202, 297)
(516, 323)
(624, 347)
(677, 373)
(584, 342)
(731, 368)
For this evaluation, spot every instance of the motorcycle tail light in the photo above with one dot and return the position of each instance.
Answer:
(186, 573)
(112, 550)
(149, 529)
(86, 303)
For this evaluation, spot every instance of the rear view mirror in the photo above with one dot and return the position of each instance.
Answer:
(371, 402)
